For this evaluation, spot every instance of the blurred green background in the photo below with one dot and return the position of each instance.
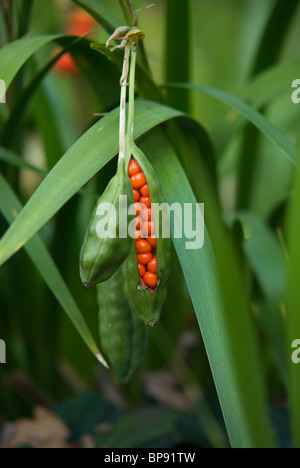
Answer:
(172, 400)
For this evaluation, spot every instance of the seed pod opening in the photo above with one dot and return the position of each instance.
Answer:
(146, 270)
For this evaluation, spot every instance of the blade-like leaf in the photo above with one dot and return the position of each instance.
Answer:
(177, 54)
(269, 266)
(101, 74)
(293, 316)
(265, 88)
(227, 330)
(257, 119)
(279, 23)
(268, 52)
(12, 158)
(14, 55)
(10, 206)
(265, 256)
(96, 15)
(84, 159)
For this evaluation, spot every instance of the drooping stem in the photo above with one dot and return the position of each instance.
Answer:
(123, 84)
(130, 124)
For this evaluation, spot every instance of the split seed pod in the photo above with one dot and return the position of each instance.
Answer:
(102, 256)
(146, 295)
(123, 335)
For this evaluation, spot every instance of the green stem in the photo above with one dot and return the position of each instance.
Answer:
(130, 124)
(123, 83)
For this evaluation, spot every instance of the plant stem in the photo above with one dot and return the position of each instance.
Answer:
(130, 124)
(123, 83)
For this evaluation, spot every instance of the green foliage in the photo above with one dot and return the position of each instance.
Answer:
(56, 157)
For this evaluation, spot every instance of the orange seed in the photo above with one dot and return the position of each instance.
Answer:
(134, 168)
(152, 241)
(150, 280)
(144, 191)
(144, 258)
(136, 195)
(138, 180)
(142, 247)
(152, 265)
(142, 270)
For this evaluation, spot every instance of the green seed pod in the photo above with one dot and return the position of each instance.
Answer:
(145, 303)
(101, 256)
(123, 336)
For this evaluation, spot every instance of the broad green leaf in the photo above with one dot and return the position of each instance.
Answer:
(222, 310)
(84, 159)
(141, 427)
(11, 206)
(251, 114)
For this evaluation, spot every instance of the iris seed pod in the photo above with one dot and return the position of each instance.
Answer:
(146, 290)
(102, 256)
(123, 336)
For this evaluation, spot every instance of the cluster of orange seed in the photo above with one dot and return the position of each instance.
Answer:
(144, 228)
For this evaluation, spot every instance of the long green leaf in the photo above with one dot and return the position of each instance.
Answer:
(96, 15)
(279, 22)
(269, 266)
(268, 53)
(227, 330)
(293, 316)
(12, 158)
(265, 256)
(11, 206)
(177, 53)
(84, 159)
(262, 90)
(100, 73)
(14, 55)
(257, 119)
